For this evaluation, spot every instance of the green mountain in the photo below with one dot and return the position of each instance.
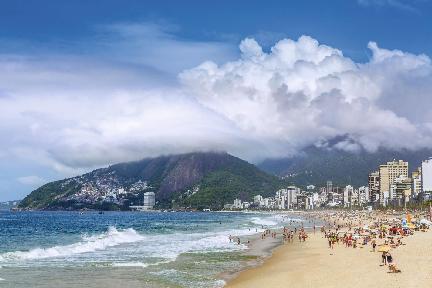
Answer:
(196, 180)
(316, 166)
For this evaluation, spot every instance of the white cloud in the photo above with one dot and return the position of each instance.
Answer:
(303, 93)
(31, 180)
(77, 112)
(156, 46)
(408, 5)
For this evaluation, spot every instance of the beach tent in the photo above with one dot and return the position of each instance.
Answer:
(425, 222)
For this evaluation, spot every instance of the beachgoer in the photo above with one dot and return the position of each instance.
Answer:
(384, 258)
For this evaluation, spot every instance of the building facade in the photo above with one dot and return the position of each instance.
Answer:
(374, 186)
(416, 182)
(149, 200)
(426, 176)
(387, 175)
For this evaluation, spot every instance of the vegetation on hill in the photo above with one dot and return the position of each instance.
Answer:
(238, 180)
(214, 178)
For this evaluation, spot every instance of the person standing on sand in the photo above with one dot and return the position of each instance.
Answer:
(384, 258)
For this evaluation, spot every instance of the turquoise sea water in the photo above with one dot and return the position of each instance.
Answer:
(121, 249)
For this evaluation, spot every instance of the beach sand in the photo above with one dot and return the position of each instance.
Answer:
(313, 264)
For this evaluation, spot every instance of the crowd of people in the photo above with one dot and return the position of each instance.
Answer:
(288, 234)
(354, 229)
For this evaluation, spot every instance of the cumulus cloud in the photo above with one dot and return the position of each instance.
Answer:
(304, 93)
(73, 113)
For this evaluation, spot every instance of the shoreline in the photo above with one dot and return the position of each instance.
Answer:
(313, 264)
(263, 249)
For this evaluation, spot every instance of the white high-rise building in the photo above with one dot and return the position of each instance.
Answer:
(237, 204)
(258, 200)
(348, 192)
(363, 195)
(416, 182)
(426, 176)
(292, 193)
(149, 200)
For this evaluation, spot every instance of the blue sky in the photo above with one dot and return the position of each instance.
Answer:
(84, 84)
(345, 24)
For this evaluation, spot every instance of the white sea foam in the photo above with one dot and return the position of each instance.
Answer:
(150, 247)
(137, 264)
(263, 221)
(111, 238)
(130, 264)
(220, 283)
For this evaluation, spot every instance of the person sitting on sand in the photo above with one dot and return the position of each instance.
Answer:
(392, 265)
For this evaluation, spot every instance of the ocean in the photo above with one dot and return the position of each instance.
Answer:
(126, 249)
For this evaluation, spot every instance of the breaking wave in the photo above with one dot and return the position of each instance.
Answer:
(130, 264)
(111, 238)
(263, 222)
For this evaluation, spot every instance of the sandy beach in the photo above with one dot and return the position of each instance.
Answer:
(314, 264)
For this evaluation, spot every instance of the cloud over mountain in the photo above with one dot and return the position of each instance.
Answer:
(76, 112)
(303, 93)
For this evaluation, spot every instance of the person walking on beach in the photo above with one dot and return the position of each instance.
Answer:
(384, 258)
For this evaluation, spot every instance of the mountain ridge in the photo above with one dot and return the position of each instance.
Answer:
(317, 165)
(197, 180)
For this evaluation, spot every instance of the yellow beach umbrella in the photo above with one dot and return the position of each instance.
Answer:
(384, 248)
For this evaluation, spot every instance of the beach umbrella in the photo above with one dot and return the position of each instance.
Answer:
(384, 248)
(425, 222)
(409, 217)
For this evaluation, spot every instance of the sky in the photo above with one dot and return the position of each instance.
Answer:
(85, 84)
